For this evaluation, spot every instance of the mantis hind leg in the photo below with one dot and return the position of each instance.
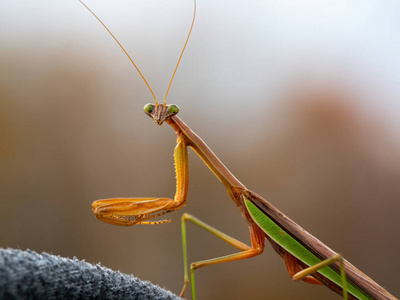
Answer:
(297, 273)
(294, 268)
(257, 239)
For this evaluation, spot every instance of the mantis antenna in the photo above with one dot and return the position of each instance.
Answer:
(123, 49)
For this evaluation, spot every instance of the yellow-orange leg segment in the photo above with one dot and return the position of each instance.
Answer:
(294, 268)
(257, 247)
(308, 271)
(131, 211)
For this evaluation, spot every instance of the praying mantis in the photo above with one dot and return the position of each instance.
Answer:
(305, 257)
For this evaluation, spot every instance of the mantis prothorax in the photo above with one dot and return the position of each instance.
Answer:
(306, 258)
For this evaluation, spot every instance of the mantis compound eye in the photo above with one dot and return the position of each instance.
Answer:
(148, 108)
(172, 109)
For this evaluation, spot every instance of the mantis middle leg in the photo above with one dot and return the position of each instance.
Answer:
(257, 247)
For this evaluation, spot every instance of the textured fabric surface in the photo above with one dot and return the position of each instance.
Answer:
(30, 275)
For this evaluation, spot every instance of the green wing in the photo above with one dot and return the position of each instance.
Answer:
(291, 245)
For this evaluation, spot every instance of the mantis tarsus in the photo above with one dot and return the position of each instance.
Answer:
(306, 258)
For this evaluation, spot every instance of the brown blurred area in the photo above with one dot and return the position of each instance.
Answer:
(72, 130)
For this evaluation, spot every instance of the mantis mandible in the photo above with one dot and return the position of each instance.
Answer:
(306, 258)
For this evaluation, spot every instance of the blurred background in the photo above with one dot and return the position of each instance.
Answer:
(299, 99)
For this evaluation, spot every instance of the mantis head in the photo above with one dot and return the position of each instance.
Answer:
(160, 112)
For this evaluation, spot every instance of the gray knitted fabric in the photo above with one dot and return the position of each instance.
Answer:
(29, 275)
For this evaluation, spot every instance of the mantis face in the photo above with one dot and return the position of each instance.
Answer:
(160, 112)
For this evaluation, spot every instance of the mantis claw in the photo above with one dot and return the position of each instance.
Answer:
(131, 211)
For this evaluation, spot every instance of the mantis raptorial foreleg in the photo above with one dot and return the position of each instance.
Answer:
(130, 211)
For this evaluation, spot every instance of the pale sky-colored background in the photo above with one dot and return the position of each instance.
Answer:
(300, 99)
